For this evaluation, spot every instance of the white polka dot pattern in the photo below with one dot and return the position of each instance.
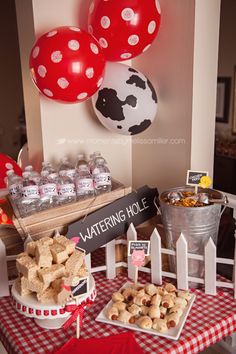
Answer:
(75, 29)
(51, 33)
(151, 27)
(94, 48)
(146, 48)
(67, 66)
(133, 39)
(103, 42)
(35, 52)
(48, 92)
(89, 73)
(127, 14)
(9, 166)
(63, 83)
(82, 95)
(42, 71)
(56, 56)
(158, 6)
(125, 55)
(73, 44)
(105, 22)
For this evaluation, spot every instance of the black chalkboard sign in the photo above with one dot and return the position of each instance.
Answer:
(105, 224)
(193, 177)
(139, 245)
(81, 288)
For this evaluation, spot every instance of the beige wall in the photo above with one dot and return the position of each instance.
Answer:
(227, 55)
(207, 18)
(169, 65)
(182, 64)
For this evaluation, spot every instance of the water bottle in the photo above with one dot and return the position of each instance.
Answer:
(48, 192)
(66, 166)
(34, 175)
(66, 189)
(47, 166)
(84, 183)
(81, 161)
(102, 176)
(96, 154)
(14, 184)
(29, 202)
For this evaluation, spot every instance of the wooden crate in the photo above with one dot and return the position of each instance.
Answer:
(44, 223)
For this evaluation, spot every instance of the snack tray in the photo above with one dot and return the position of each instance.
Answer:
(172, 333)
(48, 315)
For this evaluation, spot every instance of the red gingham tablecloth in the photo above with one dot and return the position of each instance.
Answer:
(211, 319)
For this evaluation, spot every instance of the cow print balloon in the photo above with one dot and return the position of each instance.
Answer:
(126, 102)
(124, 28)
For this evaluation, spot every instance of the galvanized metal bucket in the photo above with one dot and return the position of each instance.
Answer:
(197, 224)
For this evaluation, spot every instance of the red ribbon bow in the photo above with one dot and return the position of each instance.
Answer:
(76, 310)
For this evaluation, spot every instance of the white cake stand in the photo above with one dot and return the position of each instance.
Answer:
(48, 316)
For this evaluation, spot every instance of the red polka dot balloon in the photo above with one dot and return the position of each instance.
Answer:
(6, 164)
(67, 64)
(124, 28)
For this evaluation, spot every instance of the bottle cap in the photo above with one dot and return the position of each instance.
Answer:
(45, 163)
(44, 173)
(81, 156)
(83, 167)
(100, 160)
(26, 174)
(62, 173)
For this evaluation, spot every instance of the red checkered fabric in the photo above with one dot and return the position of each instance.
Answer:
(211, 319)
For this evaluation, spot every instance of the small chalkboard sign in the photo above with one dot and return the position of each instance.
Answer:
(81, 288)
(139, 246)
(193, 177)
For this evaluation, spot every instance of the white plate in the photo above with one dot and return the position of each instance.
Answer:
(172, 333)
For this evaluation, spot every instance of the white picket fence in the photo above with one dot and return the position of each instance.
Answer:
(181, 255)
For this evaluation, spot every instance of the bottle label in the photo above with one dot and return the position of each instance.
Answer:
(49, 189)
(84, 185)
(15, 190)
(30, 192)
(102, 179)
(67, 190)
(70, 173)
(52, 175)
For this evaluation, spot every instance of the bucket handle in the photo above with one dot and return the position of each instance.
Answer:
(225, 203)
(156, 205)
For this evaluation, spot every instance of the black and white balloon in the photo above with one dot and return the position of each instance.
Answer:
(126, 102)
